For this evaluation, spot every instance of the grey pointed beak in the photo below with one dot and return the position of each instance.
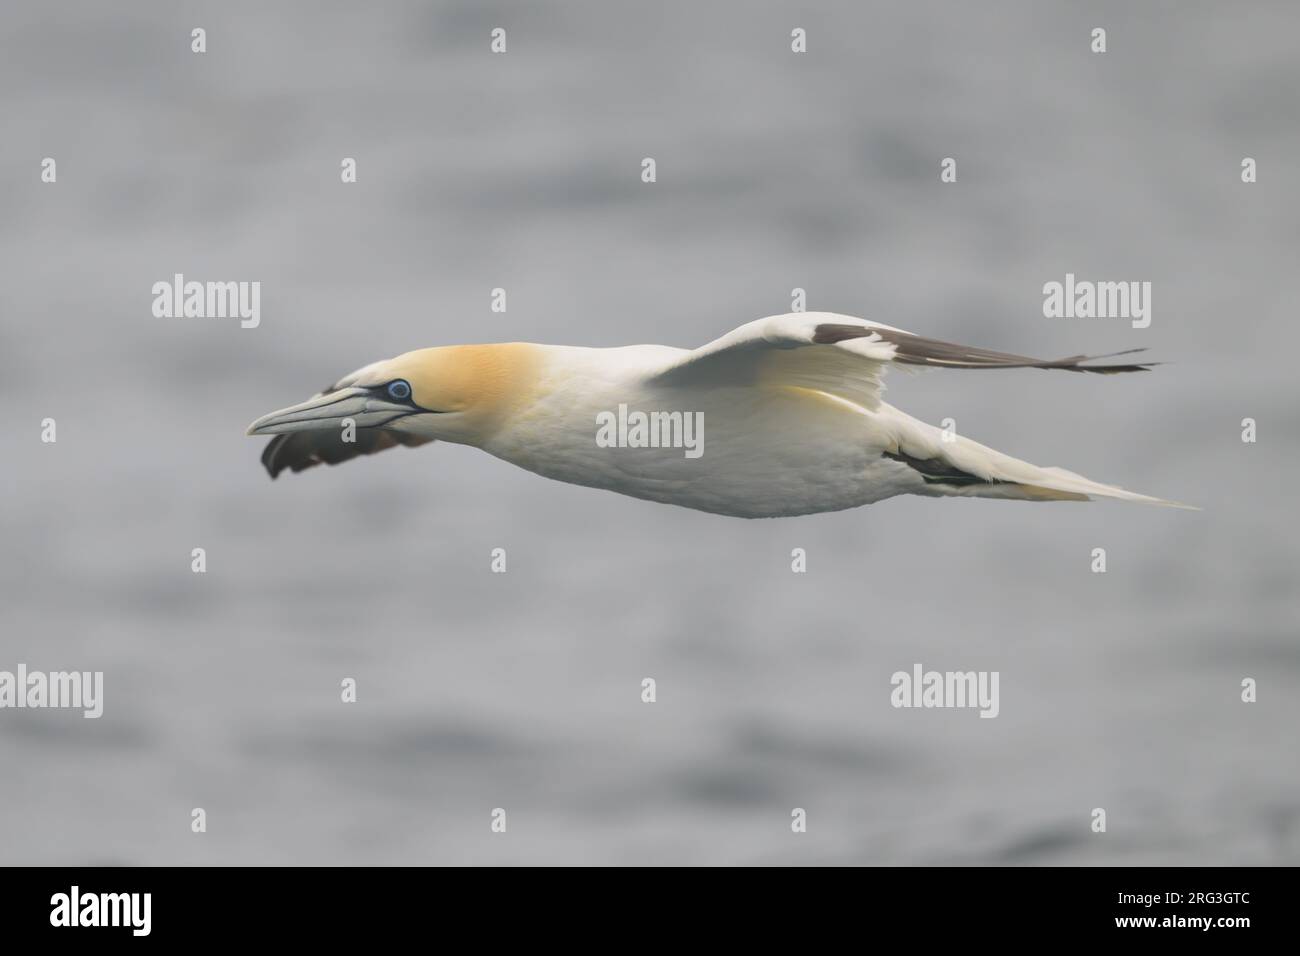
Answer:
(360, 405)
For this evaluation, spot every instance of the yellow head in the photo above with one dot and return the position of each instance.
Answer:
(457, 393)
(478, 386)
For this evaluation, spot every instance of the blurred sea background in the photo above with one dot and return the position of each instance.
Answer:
(522, 690)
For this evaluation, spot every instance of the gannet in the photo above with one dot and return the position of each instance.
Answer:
(788, 411)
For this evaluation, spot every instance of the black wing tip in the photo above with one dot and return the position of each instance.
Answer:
(1076, 363)
(298, 451)
(1112, 369)
(829, 333)
(282, 455)
(271, 457)
(914, 349)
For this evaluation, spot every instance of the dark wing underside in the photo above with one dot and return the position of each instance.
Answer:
(918, 350)
(936, 471)
(298, 451)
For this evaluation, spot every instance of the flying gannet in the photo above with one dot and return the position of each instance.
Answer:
(782, 416)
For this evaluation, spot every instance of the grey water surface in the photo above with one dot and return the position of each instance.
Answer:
(522, 690)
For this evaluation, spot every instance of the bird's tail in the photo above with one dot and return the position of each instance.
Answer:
(947, 464)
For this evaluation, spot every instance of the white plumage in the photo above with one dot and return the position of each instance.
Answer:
(790, 408)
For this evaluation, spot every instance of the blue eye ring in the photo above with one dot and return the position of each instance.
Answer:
(399, 390)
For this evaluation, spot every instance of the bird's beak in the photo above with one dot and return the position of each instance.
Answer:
(361, 405)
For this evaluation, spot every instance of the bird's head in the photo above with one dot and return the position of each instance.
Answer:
(458, 393)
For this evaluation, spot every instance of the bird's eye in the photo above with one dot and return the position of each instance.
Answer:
(399, 390)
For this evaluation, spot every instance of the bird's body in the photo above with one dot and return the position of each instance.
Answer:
(766, 450)
(782, 416)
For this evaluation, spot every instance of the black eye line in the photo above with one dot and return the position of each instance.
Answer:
(381, 391)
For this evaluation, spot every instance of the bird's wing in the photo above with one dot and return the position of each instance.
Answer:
(842, 356)
(299, 451)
